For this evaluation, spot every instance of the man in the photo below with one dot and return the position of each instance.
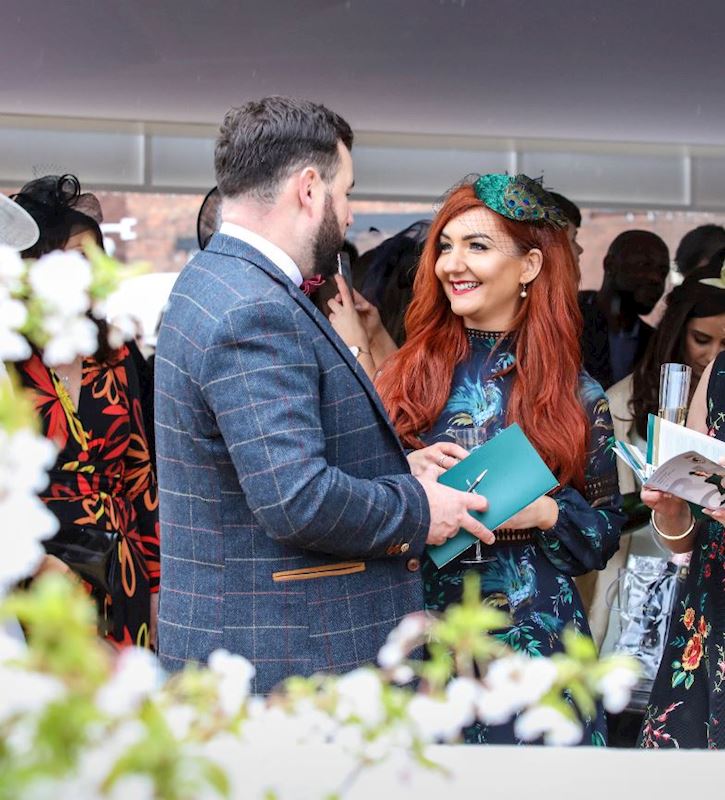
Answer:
(292, 529)
(615, 334)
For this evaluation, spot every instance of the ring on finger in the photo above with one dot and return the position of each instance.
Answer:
(441, 460)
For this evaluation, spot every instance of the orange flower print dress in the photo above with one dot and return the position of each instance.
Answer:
(687, 704)
(103, 477)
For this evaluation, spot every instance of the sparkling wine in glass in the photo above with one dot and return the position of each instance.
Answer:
(469, 439)
(674, 392)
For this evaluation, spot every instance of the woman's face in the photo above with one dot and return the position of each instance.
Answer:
(704, 339)
(480, 270)
(76, 241)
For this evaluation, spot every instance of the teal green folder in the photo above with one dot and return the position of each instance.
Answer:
(516, 477)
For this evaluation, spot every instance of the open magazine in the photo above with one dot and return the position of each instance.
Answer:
(680, 461)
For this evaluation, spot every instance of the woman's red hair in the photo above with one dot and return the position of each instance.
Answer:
(416, 382)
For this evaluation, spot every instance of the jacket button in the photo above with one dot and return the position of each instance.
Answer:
(413, 564)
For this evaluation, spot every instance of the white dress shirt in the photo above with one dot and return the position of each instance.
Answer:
(275, 254)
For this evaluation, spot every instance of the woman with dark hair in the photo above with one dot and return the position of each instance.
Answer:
(691, 332)
(493, 338)
(687, 705)
(102, 487)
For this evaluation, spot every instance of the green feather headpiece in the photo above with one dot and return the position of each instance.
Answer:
(519, 198)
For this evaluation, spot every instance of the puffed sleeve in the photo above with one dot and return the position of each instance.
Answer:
(140, 480)
(586, 535)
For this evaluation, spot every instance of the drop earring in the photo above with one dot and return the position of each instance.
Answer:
(523, 292)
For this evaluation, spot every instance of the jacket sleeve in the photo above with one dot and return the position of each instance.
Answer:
(261, 379)
(586, 535)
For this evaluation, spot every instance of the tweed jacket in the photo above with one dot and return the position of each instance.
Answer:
(291, 528)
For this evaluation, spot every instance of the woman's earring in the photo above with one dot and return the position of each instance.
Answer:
(523, 292)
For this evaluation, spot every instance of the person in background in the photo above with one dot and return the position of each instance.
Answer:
(573, 222)
(692, 332)
(615, 337)
(697, 247)
(687, 704)
(103, 484)
(492, 339)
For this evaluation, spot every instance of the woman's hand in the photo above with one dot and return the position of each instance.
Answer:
(431, 462)
(55, 565)
(542, 513)
(718, 514)
(345, 319)
(673, 514)
(369, 316)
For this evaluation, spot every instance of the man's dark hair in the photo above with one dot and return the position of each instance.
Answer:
(697, 246)
(264, 141)
(570, 210)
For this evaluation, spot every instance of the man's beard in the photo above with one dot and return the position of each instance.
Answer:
(328, 243)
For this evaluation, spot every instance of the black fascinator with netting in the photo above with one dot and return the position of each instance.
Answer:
(389, 272)
(60, 209)
(209, 217)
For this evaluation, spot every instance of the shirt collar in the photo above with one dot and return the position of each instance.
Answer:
(275, 254)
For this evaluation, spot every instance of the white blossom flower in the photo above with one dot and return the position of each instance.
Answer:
(25, 458)
(235, 675)
(360, 696)
(12, 646)
(512, 684)
(546, 721)
(406, 635)
(76, 336)
(435, 719)
(402, 674)
(616, 688)
(27, 521)
(13, 314)
(61, 280)
(139, 787)
(180, 718)
(25, 692)
(12, 268)
(137, 674)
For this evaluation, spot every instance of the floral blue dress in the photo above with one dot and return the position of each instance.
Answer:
(530, 574)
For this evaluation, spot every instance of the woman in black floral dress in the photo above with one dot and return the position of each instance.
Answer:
(103, 479)
(687, 704)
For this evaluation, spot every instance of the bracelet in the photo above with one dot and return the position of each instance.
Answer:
(666, 536)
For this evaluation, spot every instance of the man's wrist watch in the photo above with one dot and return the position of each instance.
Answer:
(356, 351)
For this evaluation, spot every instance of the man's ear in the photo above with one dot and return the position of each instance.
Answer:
(531, 266)
(308, 186)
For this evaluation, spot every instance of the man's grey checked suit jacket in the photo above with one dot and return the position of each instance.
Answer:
(290, 525)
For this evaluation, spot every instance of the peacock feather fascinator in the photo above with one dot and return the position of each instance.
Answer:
(519, 198)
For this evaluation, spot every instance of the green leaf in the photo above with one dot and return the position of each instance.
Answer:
(678, 678)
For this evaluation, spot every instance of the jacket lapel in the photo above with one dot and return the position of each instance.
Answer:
(236, 248)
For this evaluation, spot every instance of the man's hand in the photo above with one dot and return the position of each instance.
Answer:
(449, 511)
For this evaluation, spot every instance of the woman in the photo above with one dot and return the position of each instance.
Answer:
(492, 339)
(687, 704)
(102, 484)
(692, 332)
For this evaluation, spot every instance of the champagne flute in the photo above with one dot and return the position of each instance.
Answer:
(674, 392)
(469, 439)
